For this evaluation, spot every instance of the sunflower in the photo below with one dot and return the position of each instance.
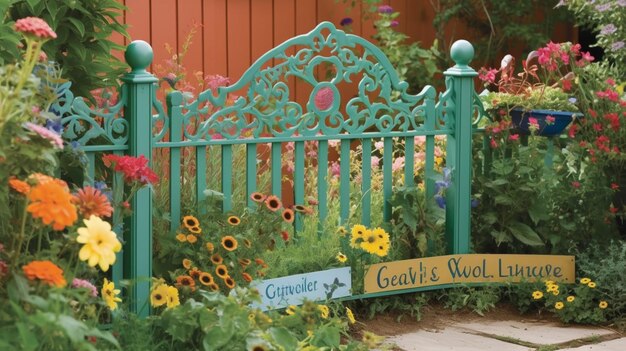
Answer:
(571, 298)
(537, 295)
(234, 220)
(381, 234)
(291, 310)
(187, 263)
(192, 239)
(382, 250)
(158, 297)
(217, 259)
(300, 209)
(559, 305)
(210, 247)
(229, 243)
(230, 282)
(288, 215)
(324, 311)
(205, 278)
(370, 242)
(247, 243)
(358, 236)
(221, 271)
(109, 294)
(214, 287)
(195, 230)
(181, 237)
(172, 297)
(359, 230)
(585, 281)
(591, 285)
(341, 257)
(185, 280)
(195, 273)
(247, 277)
(273, 203)
(257, 197)
(259, 348)
(342, 231)
(603, 304)
(350, 315)
(244, 262)
(191, 222)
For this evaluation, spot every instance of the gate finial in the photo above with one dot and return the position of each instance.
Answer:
(139, 56)
(462, 52)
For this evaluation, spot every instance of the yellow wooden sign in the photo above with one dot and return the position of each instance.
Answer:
(471, 268)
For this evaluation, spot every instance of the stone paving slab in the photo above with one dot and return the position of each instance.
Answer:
(450, 339)
(534, 332)
(612, 345)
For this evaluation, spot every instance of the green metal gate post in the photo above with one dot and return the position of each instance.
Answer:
(138, 110)
(459, 149)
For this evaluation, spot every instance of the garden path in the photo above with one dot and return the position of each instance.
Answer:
(500, 331)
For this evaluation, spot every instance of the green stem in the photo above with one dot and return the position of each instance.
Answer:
(18, 247)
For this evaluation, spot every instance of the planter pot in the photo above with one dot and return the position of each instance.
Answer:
(561, 120)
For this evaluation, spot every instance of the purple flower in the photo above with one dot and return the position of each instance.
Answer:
(385, 9)
(603, 7)
(617, 45)
(441, 202)
(608, 29)
(475, 203)
(621, 3)
(346, 21)
(394, 23)
(54, 126)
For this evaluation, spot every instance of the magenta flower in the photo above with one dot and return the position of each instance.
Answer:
(394, 23)
(550, 120)
(84, 284)
(386, 9)
(35, 26)
(324, 99)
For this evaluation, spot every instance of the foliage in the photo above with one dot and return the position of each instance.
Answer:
(83, 47)
(478, 299)
(406, 304)
(578, 303)
(490, 24)
(608, 19)
(606, 262)
(198, 324)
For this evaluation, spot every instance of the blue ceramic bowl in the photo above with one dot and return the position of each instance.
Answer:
(562, 119)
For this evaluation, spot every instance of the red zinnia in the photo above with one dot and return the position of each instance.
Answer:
(133, 168)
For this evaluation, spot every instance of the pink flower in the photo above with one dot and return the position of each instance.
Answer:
(45, 133)
(215, 81)
(587, 56)
(379, 145)
(84, 284)
(514, 137)
(324, 99)
(375, 161)
(614, 186)
(566, 84)
(533, 125)
(438, 151)
(493, 143)
(420, 140)
(398, 163)
(335, 169)
(333, 143)
(550, 120)
(43, 57)
(576, 184)
(35, 26)
(487, 75)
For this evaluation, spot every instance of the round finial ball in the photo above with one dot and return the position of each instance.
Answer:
(462, 52)
(139, 55)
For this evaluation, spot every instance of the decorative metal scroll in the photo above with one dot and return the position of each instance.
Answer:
(479, 109)
(444, 109)
(84, 124)
(382, 103)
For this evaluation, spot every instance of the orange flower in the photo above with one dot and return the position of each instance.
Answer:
(259, 261)
(288, 215)
(230, 283)
(19, 185)
(181, 237)
(247, 243)
(257, 197)
(273, 203)
(221, 271)
(210, 247)
(195, 272)
(234, 220)
(52, 202)
(214, 287)
(244, 262)
(40, 178)
(45, 271)
(206, 279)
(185, 280)
(187, 263)
(192, 239)
(217, 259)
(92, 201)
(247, 277)
(229, 243)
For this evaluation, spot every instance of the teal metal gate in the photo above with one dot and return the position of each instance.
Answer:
(382, 110)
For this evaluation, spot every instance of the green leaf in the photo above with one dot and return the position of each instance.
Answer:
(284, 338)
(537, 212)
(216, 338)
(525, 234)
(28, 339)
(78, 25)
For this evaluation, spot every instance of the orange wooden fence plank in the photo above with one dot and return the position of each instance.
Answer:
(238, 34)
(118, 38)
(138, 19)
(190, 21)
(306, 20)
(214, 36)
(261, 22)
(400, 5)
(163, 32)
